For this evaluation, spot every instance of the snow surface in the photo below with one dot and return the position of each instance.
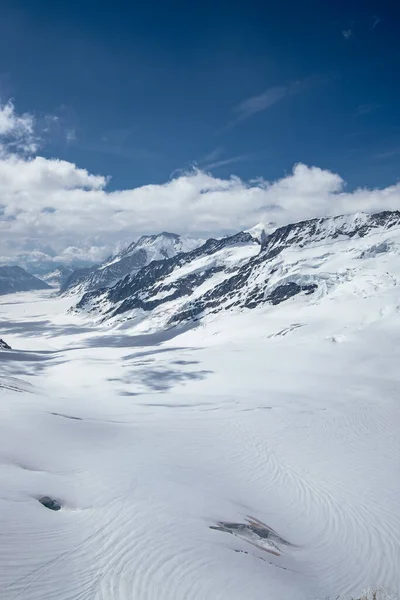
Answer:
(288, 415)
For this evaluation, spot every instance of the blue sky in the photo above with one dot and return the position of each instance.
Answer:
(287, 110)
(146, 89)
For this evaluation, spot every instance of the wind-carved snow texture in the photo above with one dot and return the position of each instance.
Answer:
(253, 453)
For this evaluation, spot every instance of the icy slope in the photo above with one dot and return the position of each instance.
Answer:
(132, 259)
(313, 258)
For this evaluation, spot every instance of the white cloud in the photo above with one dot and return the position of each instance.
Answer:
(71, 210)
(18, 175)
(65, 212)
(16, 131)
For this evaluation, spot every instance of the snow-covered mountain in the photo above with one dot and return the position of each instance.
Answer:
(175, 279)
(128, 262)
(311, 258)
(4, 345)
(57, 276)
(15, 279)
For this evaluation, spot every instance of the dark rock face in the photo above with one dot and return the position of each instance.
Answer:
(247, 286)
(50, 503)
(4, 345)
(288, 290)
(15, 279)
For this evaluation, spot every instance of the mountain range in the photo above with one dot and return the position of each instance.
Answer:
(309, 258)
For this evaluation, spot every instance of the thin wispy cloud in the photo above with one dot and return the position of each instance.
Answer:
(213, 155)
(347, 33)
(255, 104)
(70, 136)
(389, 153)
(376, 22)
(225, 161)
(366, 109)
(113, 144)
(58, 128)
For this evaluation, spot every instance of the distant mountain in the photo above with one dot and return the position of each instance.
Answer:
(75, 281)
(4, 345)
(309, 258)
(57, 276)
(15, 279)
(128, 262)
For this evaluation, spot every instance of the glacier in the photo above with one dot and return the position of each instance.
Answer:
(246, 449)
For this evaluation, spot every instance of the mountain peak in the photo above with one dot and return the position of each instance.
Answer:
(129, 261)
(149, 239)
(261, 231)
